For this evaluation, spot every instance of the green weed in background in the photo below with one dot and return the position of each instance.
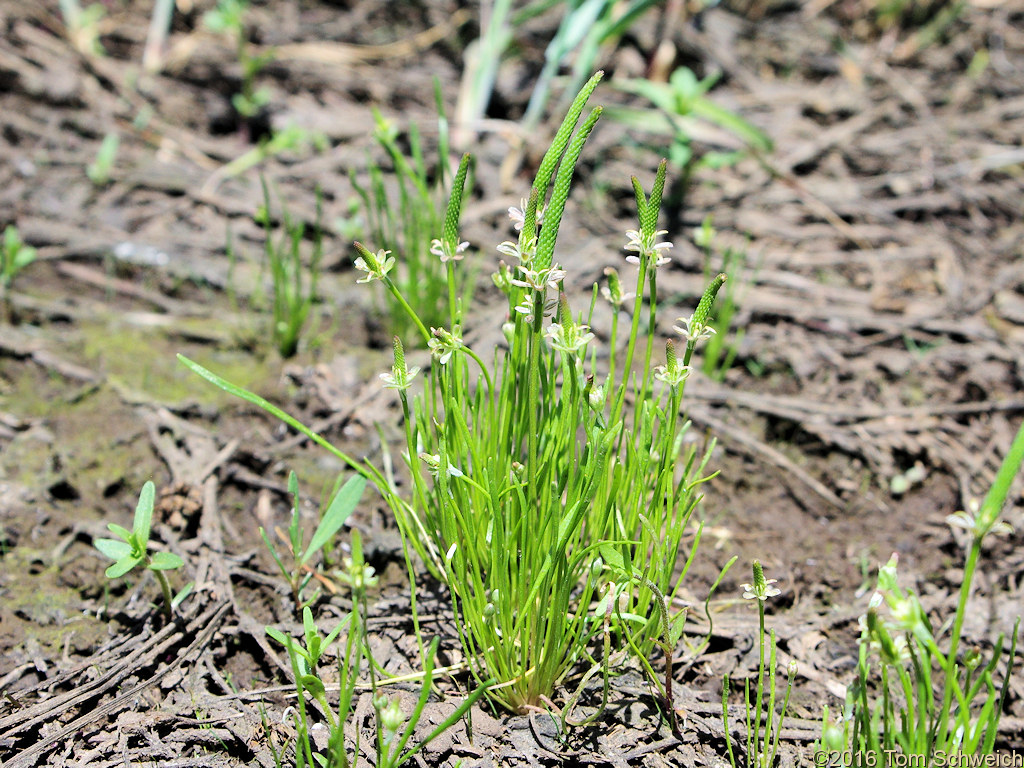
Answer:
(83, 26)
(99, 170)
(682, 109)
(294, 284)
(585, 28)
(393, 729)
(405, 216)
(762, 746)
(911, 697)
(721, 349)
(15, 255)
(298, 573)
(228, 18)
(131, 549)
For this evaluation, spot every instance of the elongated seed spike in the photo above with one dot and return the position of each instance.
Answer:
(550, 161)
(399, 355)
(641, 202)
(700, 315)
(614, 286)
(671, 361)
(450, 231)
(650, 223)
(564, 311)
(529, 230)
(553, 213)
(759, 582)
(371, 259)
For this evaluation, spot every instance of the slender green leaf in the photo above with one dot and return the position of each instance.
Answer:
(341, 507)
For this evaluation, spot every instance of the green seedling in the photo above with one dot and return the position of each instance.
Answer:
(722, 347)
(292, 138)
(15, 255)
(393, 729)
(99, 170)
(764, 725)
(586, 29)
(299, 572)
(83, 26)
(403, 208)
(912, 697)
(132, 550)
(683, 111)
(228, 18)
(292, 295)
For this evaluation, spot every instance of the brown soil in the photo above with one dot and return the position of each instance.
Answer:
(883, 317)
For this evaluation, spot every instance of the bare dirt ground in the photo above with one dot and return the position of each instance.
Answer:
(884, 329)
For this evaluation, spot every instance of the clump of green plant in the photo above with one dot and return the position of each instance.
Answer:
(538, 480)
(405, 220)
(683, 111)
(393, 729)
(228, 18)
(131, 550)
(722, 349)
(586, 27)
(911, 697)
(298, 573)
(99, 170)
(83, 26)
(762, 739)
(15, 255)
(293, 292)
(524, 471)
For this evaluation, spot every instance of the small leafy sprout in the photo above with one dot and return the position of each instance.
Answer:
(228, 18)
(133, 550)
(762, 745)
(99, 170)
(341, 507)
(14, 257)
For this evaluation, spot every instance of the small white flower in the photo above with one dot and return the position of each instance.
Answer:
(568, 338)
(750, 593)
(539, 278)
(692, 331)
(673, 377)
(433, 462)
(376, 266)
(444, 343)
(399, 379)
(644, 246)
(518, 215)
(443, 252)
(511, 250)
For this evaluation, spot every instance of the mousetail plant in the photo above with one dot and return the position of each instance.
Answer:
(523, 467)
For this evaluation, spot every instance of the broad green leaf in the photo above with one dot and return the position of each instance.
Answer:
(342, 506)
(144, 513)
(314, 685)
(113, 548)
(165, 561)
(122, 566)
(121, 531)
